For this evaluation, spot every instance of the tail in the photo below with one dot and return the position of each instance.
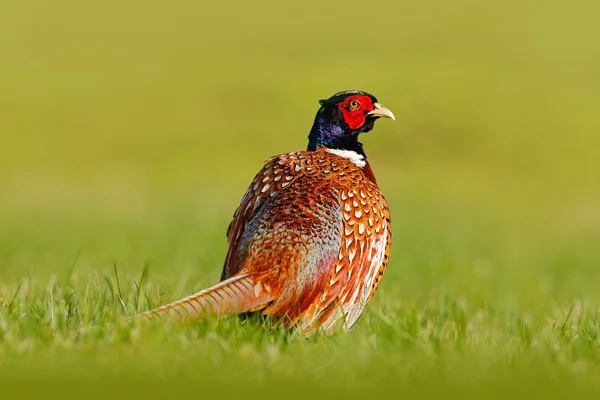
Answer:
(238, 294)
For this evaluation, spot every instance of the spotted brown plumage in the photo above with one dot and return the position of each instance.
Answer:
(310, 239)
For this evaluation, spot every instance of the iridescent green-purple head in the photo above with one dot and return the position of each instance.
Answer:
(344, 116)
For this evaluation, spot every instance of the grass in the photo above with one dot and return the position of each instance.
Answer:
(128, 134)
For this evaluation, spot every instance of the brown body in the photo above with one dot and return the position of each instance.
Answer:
(310, 240)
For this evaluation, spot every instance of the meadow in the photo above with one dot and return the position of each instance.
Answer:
(129, 131)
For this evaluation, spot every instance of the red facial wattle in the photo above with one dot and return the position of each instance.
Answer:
(354, 109)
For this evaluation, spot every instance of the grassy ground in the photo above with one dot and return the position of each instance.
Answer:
(129, 131)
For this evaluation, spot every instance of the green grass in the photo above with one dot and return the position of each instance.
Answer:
(129, 131)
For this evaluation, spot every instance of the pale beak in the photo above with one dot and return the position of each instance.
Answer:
(381, 111)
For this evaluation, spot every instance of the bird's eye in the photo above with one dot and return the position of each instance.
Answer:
(354, 105)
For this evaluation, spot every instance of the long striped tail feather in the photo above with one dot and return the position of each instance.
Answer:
(237, 294)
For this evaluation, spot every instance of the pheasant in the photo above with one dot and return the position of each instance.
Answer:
(310, 239)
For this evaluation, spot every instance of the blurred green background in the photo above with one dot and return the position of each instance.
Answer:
(130, 129)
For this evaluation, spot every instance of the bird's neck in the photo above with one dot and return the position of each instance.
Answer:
(329, 133)
(326, 132)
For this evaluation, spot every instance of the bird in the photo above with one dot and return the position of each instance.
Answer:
(311, 237)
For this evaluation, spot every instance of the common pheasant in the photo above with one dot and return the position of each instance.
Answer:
(310, 239)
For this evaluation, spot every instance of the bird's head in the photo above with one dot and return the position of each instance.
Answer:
(344, 116)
